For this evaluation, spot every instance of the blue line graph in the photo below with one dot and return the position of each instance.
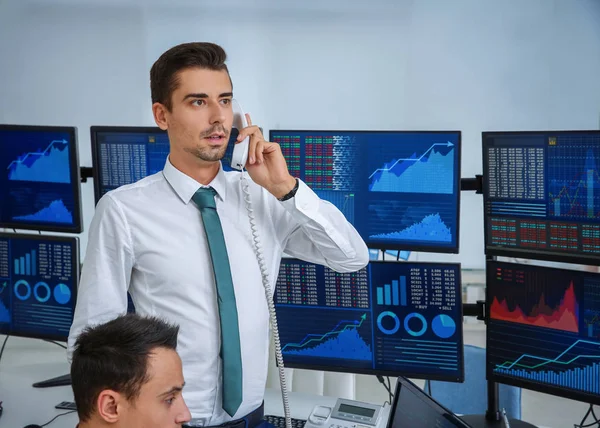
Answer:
(431, 172)
(581, 378)
(48, 166)
(548, 361)
(343, 341)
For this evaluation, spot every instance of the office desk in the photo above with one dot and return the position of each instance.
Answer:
(26, 361)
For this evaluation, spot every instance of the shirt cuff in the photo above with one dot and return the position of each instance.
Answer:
(304, 206)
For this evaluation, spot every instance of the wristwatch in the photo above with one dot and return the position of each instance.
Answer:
(291, 193)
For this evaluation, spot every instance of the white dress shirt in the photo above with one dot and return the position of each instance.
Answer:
(148, 238)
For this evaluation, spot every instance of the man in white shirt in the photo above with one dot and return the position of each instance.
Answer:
(151, 238)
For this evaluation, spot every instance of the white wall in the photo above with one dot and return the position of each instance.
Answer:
(472, 65)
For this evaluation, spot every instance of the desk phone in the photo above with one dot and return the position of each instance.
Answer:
(349, 414)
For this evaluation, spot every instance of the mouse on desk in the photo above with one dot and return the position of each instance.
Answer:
(33, 426)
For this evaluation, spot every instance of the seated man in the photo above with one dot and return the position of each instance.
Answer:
(127, 373)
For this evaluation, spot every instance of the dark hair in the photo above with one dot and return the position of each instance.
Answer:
(114, 356)
(164, 72)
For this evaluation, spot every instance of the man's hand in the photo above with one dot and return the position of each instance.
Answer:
(266, 164)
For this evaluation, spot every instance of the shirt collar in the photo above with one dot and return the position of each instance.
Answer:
(185, 186)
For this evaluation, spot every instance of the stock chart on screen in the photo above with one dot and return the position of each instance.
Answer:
(39, 188)
(388, 318)
(544, 329)
(38, 285)
(124, 155)
(399, 189)
(542, 194)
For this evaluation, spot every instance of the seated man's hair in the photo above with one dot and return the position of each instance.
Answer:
(114, 356)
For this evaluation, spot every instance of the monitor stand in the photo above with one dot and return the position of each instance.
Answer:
(55, 381)
(480, 421)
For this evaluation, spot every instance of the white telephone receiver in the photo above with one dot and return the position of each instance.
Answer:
(240, 150)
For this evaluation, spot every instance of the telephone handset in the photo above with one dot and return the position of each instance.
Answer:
(240, 150)
(238, 161)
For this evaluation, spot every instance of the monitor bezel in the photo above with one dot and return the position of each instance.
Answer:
(74, 166)
(523, 383)
(405, 246)
(94, 130)
(403, 382)
(74, 241)
(456, 379)
(530, 253)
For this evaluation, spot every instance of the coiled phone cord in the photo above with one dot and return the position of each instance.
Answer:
(269, 296)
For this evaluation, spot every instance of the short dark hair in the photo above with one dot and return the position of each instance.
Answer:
(164, 72)
(114, 355)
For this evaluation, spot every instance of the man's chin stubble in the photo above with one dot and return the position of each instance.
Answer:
(207, 155)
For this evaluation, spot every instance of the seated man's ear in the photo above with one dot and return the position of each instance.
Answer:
(110, 405)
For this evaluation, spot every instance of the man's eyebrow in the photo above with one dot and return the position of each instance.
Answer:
(203, 95)
(172, 390)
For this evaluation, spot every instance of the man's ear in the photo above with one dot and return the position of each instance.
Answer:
(110, 404)
(160, 115)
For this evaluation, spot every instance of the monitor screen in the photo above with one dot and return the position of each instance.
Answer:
(387, 318)
(543, 330)
(412, 407)
(124, 155)
(38, 285)
(399, 189)
(542, 195)
(39, 189)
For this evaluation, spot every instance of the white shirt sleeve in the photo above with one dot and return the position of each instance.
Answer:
(106, 272)
(314, 230)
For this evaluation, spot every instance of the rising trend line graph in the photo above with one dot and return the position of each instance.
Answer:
(430, 172)
(448, 144)
(546, 361)
(50, 165)
(576, 375)
(343, 341)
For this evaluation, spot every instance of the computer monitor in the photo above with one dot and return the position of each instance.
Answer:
(38, 285)
(543, 330)
(542, 195)
(125, 154)
(412, 407)
(389, 318)
(40, 186)
(400, 189)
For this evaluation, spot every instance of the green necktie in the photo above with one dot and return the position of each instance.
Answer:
(230, 334)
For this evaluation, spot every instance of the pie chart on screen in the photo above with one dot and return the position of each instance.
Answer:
(443, 326)
(62, 294)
